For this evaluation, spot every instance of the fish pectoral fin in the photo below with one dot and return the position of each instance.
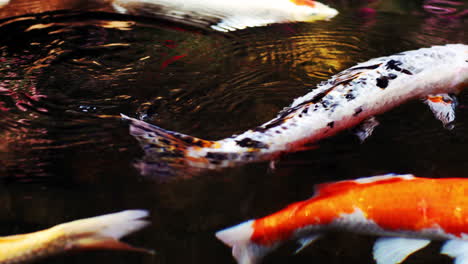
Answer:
(306, 241)
(443, 106)
(394, 250)
(365, 129)
(457, 249)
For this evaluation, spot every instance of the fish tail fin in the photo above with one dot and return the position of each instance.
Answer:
(104, 232)
(167, 145)
(243, 249)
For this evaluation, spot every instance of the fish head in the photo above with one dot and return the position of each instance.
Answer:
(308, 10)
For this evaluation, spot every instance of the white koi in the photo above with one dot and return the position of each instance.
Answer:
(347, 99)
(229, 15)
(100, 232)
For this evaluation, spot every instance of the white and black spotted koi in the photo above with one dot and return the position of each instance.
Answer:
(347, 99)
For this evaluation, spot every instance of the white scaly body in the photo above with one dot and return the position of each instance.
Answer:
(347, 99)
(228, 15)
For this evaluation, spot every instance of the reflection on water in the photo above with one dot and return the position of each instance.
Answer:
(446, 9)
(65, 154)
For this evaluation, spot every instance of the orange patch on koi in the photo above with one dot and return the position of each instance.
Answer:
(394, 204)
(436, 99)
(304, 2)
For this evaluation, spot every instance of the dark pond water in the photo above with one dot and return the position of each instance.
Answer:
(65, 77)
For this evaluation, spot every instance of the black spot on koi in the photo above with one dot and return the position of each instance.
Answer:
(382, 82)
(357, 111)
(190, 141)
(218, 156)
(277, 122)
(164, 141)
(350, 96)
(370, 67)
(395, 65)
(250, 143)
(331, 124)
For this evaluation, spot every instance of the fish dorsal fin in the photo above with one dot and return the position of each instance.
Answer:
(457, 249)
(394, 250)
(342, 186)
(384, 178)
(325, 189)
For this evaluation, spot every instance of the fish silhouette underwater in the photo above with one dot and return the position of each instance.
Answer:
(101, 232)
(406, 212)
(225, 15)
(350, 98)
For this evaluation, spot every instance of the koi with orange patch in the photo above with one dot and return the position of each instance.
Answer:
(405, 211)
(226, 15)
(348, 99)
(101, 232)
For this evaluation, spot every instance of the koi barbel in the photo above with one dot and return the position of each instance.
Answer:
(101, 232)
(405, 211)
(226, 15)
(350, 98)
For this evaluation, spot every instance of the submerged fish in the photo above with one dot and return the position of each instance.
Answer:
(225, 15)
(347, 99)
(406, 211)
(101, 232)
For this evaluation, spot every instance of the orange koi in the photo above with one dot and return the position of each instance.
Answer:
(101, 232)
(405, 211)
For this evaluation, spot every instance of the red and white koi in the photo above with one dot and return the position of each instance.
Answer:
(100, 232)
(229, 15)
(347, 99)
(406, 211)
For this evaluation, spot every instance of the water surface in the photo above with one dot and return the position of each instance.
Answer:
(65, 77)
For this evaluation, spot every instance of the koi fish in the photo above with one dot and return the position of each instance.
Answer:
(101, 232)
(229, 15)
(350, 98)
(405, 211)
